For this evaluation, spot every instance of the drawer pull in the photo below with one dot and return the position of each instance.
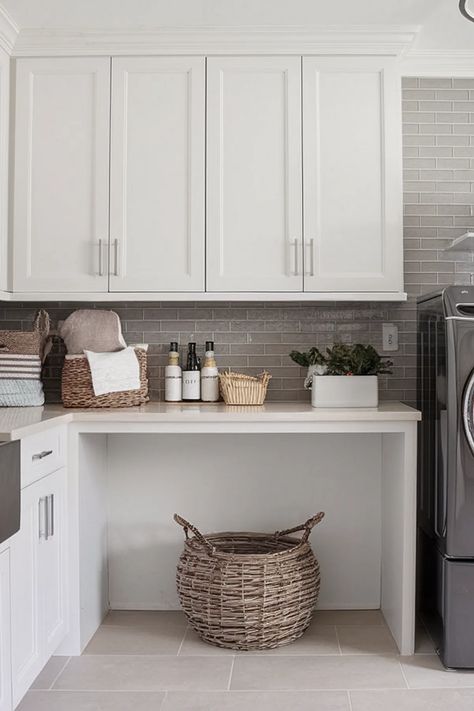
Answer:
(41, 455)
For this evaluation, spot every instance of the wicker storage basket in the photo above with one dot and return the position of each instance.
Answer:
(248, 590)
(240, 389)
(27, 342)
(77, 390)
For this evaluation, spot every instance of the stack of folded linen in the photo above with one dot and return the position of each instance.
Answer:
(20, 380)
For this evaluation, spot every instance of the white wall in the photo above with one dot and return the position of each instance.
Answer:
(442, 24)
(93, 567)
(237, 482)
(163, 13)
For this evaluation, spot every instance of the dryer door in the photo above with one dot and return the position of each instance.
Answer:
(460, 430)
(468, 411)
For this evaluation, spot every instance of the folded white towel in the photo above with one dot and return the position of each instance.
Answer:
(114, 372)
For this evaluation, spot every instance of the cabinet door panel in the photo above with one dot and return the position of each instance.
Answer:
(157, 174)
(52, 564)
(27, 653)
(4, 140)
(254, 222)
(352, 174)
(61, 174)
(5, 657)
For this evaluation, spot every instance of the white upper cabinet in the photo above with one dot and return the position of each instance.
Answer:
(61, 187)
(272, 175)
(4, 140)
(157, 174)
(254, 192)
(352, 175)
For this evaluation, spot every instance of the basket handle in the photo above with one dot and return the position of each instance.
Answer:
(307, 527)
(197, 534)
(42, 322)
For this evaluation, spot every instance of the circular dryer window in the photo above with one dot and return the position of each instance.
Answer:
(468, 410)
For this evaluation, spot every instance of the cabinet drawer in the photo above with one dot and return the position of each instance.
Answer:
(42, 454)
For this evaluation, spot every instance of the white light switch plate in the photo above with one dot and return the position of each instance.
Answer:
(390, 337)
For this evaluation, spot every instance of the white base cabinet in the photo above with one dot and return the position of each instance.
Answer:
(5, 633)
(38, 580)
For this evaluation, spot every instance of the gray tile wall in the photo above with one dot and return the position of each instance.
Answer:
(438, 126)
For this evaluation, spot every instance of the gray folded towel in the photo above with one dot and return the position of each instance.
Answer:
(93, 330)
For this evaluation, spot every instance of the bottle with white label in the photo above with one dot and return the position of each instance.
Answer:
(173, 376)
(192, 376)
(209, 376)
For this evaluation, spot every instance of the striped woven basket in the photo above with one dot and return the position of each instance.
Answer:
(77, 390)
(248, 590)
(28, 342)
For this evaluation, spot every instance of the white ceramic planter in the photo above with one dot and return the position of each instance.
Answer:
(345, 391)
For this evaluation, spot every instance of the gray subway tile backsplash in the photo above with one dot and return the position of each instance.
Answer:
(438, 206)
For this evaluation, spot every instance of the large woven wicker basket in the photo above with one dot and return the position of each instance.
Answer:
(240, 389)
(248, 590)
(77, 390)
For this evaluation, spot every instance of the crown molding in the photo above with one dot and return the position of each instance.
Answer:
(437, 63)
(8, 31)
(381, 40)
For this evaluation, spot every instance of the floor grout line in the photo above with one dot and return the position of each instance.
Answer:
(349, 700)
(337, 640)
(163, 700)
(403, 673)
(251, 691)
(231, 672)
(182, 641)
(68, 659)
(244, 655)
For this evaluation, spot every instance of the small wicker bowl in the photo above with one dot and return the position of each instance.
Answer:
(240, 389)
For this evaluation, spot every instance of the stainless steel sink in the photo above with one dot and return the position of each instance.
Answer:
(9, 489)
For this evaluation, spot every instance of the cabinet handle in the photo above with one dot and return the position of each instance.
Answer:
(101, 259)
(294, 244)
(50, 515)
(116, 268)
(311, 257)
(41, 455)
(42, 519)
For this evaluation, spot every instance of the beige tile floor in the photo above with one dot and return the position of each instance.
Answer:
(151, 661)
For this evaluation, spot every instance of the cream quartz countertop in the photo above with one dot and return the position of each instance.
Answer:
(18, 422)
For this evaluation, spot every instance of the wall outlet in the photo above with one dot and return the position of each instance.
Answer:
(390, 337)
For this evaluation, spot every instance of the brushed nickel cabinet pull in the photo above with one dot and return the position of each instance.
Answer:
(41, 455)
(295, 247)
(309, 270)
(42, 519)
(311, 257)
(50, 515)
(101, 260)
(116, 267)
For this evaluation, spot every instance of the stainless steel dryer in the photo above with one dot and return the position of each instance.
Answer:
(445, 584)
